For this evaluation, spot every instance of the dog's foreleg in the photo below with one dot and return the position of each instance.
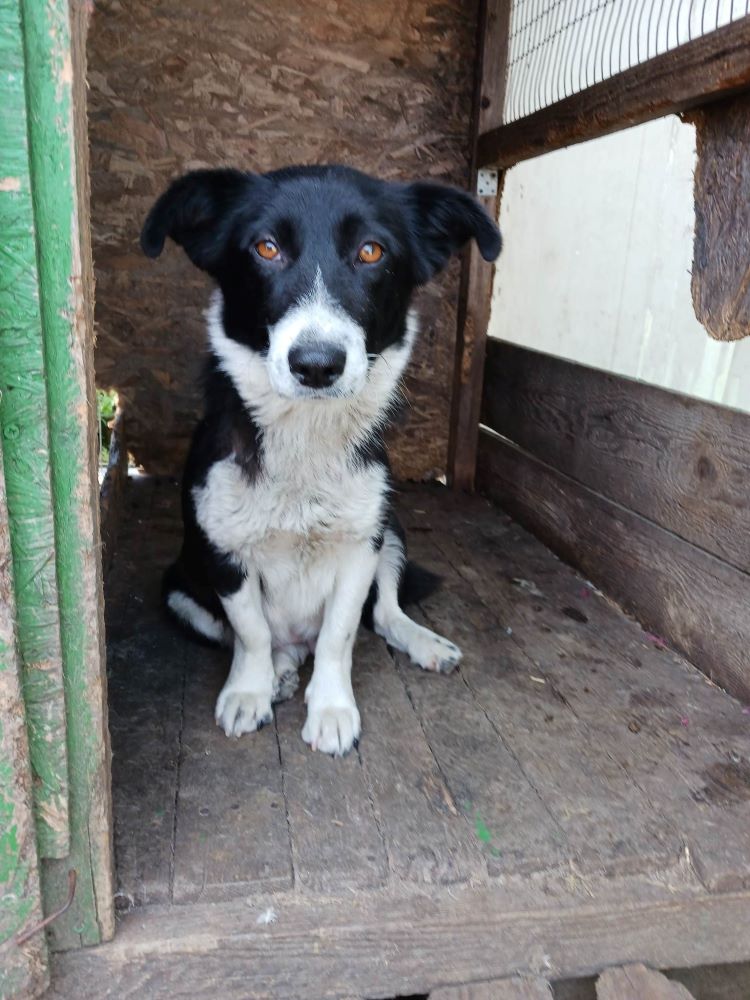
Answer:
(244, 704)
(333, 722)
(424, 647)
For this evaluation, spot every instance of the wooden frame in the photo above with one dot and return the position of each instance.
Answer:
(641, 488)
(476, 277)
(713, 66)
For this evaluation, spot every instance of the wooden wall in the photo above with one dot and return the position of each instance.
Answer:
(179, 84)
(645, 490)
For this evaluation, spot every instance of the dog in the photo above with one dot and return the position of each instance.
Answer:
(289, 532)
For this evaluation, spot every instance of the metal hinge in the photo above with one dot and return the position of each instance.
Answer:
(486, 183)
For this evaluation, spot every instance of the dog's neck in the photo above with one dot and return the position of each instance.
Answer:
(310, 427)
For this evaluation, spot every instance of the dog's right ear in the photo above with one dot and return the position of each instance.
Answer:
(198, 212)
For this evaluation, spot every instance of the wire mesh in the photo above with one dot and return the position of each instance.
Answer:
(561, 47)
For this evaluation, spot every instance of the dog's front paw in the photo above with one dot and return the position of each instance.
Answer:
(332, 729)
(239, 712)
(432, 652)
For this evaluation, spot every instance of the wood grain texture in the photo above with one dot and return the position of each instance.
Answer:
(636, 981)
(56, 73)
(709, 67)
(475, 293)
(335, 838)
(384, 87)
(23, 971)
(24, 417)
(657, 720)
(670, 585)
(377, 945)
(517, 988)
(680, 462)
(720, 276)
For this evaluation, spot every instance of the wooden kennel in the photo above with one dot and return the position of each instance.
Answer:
(577, 796)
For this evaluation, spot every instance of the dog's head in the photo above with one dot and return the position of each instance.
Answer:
(316, 264)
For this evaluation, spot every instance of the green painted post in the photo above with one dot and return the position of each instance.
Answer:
(23, 969)
(23, 423)
(55, 97)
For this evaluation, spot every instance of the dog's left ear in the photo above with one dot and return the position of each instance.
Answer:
(444, 220)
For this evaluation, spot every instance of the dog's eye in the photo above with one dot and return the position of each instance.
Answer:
(370, 253)
(267, 249)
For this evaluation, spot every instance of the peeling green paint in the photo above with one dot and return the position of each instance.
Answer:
(72, 409)
(24, 428)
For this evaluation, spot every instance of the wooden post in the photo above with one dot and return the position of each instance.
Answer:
(23, 969)
(24, 421)
(476, 277)
(55, 84)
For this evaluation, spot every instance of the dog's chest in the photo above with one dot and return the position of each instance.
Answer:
(301, 513)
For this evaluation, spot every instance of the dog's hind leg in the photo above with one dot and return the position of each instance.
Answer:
(424, 647)
(286, 663)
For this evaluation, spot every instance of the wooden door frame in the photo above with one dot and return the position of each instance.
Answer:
(709, 68)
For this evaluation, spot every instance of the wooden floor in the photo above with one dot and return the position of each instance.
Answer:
(575, 796)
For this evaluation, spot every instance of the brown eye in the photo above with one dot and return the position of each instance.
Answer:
(370, 253)
(267, 249)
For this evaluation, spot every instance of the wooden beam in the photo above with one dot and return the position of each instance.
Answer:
(377, 945)
(710, 67)
(515, 988)
(476, 276)
(678, 591)
(681, 462)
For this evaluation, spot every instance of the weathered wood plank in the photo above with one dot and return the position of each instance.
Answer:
(336, 843)
(231, 829)
(681, 739)
(709, 67)
(636, 981)
(23, 970)
(669, 584)
(476, 275)
(722, 219)
(681, 462)
(517, 988)
(511, 822)
(607, 822)
(426, 836)
(376, 944)
(24, 416)
(146, 682)
(54, 35)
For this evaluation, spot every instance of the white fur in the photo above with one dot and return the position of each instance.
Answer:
(301, 531)
(197, 617)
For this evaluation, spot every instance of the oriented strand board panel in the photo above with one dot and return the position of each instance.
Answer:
(384, 87)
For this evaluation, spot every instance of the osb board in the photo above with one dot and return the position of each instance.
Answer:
(721, 277)
(176, 85)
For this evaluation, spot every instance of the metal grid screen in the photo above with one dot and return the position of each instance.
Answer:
(561, 47)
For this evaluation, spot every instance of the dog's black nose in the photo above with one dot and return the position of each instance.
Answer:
(317, 365)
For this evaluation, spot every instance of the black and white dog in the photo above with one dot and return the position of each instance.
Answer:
(286, 495)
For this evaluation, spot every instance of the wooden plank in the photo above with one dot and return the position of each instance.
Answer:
(631, 981)
(54, 38)
(476, 275)
(427, 837)
(380, 945)
(608, 822)
(710, 67)
(722, 219)
(670, 585)
(680, 462)
(24, 416)
(231, 828)
(517, 988)
(335, 839)
(146, 689)
(511, 822)
(23, 970)
(681, 739)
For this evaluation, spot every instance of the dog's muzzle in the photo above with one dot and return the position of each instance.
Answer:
(317, 365)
